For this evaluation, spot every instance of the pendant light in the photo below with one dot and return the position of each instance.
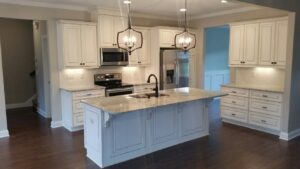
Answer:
(129, 39)
(185, 40)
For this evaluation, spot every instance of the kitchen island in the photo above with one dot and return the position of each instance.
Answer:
(121, 128)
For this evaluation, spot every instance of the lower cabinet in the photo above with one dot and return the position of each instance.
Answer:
(72, 111)
(192, 118)
(259, 110)
(164, 124)
(111, 139)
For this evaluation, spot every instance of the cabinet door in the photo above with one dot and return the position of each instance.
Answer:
(266, 43)
(167, 38)
(192, 116)
(164, 124)
(127, 133)
(89, 45)
(106, 31)
(281, 42)
(236, 50)
(251, 33)
(142, 56)
(72, 45)
(120, 24)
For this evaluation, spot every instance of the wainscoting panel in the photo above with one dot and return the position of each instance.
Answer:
(214, 79)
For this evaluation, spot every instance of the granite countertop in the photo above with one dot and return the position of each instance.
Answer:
(84, 88)
(121, 104)
(261, 88)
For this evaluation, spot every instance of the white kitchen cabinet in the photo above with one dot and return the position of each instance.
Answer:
(164, 125)
(89, 45)
(127, 133)
(236, 50)
(77, 44)
(281, 42)
(108, 27)
(192, 117)
(167, 37)
(244, 44)
(251, 108)
(259, 42)
(141, 57)
(267, 42)
(273, 43)
(251, 34)
(72, 111)
(114, 138)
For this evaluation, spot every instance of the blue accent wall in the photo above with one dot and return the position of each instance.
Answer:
(216, 48)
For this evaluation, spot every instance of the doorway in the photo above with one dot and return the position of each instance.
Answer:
(216, 70)
(25, 69)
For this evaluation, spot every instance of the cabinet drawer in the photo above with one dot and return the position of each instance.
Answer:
(234, 114)
(235, 101)
(78, 119)
(236, 91)
(265, 107)
(88, 94)
(266, 95)
(77, 106)
(270, 122)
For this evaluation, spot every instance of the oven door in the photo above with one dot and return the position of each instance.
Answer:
(118, 92)
(114, 57)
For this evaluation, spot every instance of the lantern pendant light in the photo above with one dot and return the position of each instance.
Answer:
(185, 40)
(129, 39)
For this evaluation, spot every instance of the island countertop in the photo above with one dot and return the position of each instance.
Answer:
(121, 104)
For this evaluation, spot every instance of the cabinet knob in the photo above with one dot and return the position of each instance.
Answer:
(83, 63)
(263, 121)
(264, 107)
(233, 114)
(173, 45)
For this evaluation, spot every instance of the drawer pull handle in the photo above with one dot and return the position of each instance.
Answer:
(263, 121)
(233, 114)
(233, 102)
(233, 91)
(264, 96)
(264, 107)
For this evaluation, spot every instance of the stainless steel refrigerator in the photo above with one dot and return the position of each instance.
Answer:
(174, 69)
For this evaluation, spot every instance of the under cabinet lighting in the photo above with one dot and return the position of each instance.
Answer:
(264, 70)
(182, 9)
(127, 2)
(224, 1)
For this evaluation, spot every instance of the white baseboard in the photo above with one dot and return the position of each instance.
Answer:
(290, 135)
(27, 103)
(4, 133)
(56, 124)
(43, 113)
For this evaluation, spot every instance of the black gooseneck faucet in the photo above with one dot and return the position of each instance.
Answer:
(156, 84)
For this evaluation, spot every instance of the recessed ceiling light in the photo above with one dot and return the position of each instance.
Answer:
(127, 2)
(224, 1)
(182, 9)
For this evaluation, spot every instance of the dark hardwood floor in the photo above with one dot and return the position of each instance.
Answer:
(33, 145)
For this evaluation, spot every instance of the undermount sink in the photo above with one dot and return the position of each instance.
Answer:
(146, 95)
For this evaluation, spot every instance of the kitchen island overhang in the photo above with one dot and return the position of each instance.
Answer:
(121, 128)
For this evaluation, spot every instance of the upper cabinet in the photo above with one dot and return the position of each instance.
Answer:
(108, 28)
(261, 42)
(167, 38)
(77, 44)
(273, 43)
(141, 57)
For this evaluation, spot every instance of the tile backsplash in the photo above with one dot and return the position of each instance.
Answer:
(85, 77)
(260, 76)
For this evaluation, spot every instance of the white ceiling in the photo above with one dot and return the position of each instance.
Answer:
(159, 8)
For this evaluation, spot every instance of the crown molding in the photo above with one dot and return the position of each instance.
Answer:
(46, 5)
(226, 12)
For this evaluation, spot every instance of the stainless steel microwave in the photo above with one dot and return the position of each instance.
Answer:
(113, 57)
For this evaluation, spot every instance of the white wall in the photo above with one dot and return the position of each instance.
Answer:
(3, 122)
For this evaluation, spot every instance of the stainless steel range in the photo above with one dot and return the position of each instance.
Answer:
(113, 84)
